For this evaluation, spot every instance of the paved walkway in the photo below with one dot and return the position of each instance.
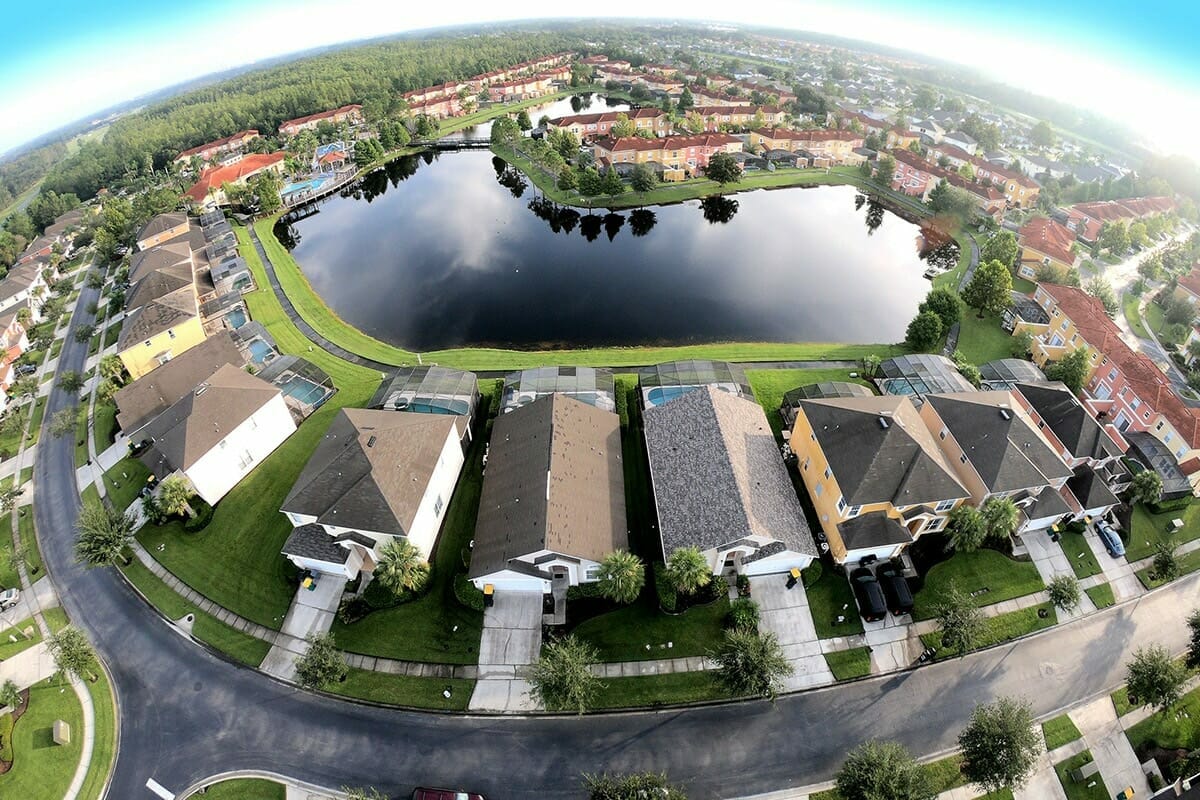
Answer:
(1105, 737)
(1050, 560)
(511, 641)
(785, 613)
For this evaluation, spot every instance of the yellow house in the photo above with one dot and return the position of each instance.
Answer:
(1044, 243)
(900, 139)
(162, 228)
(1062, 319)
(836, 145)
(162, 317)
(874, 472)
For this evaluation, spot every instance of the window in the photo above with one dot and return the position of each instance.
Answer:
(1112, 373)
(1065, 324)
(1167, 439)
(854, 511)
(147, 343)
(942, 434)
(1146, 414)
(963, 458)
(1134, 403)
(841, 503)
(1179, 453)
(804, 465)
(945, 505)
(170, 333)
(1158, 427)
(437, 506)
(828, 472)
(245, 460)
(820, 490)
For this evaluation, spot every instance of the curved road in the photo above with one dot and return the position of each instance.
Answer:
(185, 714)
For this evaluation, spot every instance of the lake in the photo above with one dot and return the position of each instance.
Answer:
(434, 252)
(563, 107)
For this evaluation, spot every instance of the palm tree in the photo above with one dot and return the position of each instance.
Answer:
(1000, 517)
(10, 695)
(688, 570)
(173, 496)
(400, 567)
(622, 576)
(103, 534)
(113, 368)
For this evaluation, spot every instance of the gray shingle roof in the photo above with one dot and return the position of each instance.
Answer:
(1049, 504)
(1090, 489)
(163, 222)
(312, 541)
(718, 475)
(1066, 417)
(875, 529)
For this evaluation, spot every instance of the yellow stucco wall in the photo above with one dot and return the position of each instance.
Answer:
(142, 358)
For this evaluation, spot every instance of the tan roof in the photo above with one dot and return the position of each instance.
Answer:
(178, 251)
(554, 482)
(199, 420)
(372, 469)
(146, 398)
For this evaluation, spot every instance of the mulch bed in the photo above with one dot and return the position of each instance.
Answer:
(5, 766)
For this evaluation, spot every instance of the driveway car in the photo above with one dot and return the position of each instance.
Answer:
(9, 598)
(1110, 537)
(444, 794)
(895, 590)
(868, 595)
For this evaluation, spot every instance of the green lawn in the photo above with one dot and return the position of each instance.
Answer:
(653, 690)
(35, 422)
(26, 476)
(1003, 577)
(1120, 700)
(1082, 559)
(124, 480)
(944, 774)
(830, 597)
(848, 664)
(1000, 628)
(403, 690)
(425, 629)
(111, 335)
(244, 789)
(1156, 321)
(770, 385)
(33, 554)
(1149, 529)
(9, 648)
(1177, 727)
(10, 440)
(1102, 595)
(104, 748)
(623, 635)
(104, 425)
(8, 575)
(1059, 731)
(81, 436)
(983, 340)
(239, 646)
(951, 279)
(1131, 306)
(1023, 285)
(40, 767)
(1188, 562)
(1092, 788)
(56, 619)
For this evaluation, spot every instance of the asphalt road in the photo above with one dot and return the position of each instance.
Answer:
(186, 714)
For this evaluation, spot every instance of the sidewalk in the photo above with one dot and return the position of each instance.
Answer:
(1104, 735)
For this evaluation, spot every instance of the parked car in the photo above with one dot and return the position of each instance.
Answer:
(444, 794)
(868, 594)
(22, 370)
(9, 598)
(1112, 540)
(895, 590)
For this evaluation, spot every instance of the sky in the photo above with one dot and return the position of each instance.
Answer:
(1135, 62)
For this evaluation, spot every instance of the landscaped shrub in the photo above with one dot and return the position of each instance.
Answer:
(466, 593)
(1167, 506)
(668, 599)
(379, 597)
(352, 609)
(1187, 766)
(585, 591)
(811, 574)
(1155, 782)
(204, 515)
(743, 614)
(743, 585)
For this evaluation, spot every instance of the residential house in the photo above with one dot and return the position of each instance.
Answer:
(1188, 287)
(930, 128)
(962, 140)
(39, 249)
(1087, 219)
(13, 342)
(218, 432)
(901, 139)
(553, 499)
(874, 473)
(234, 143)
(591, 385)
(588, 127)
(738, 116)
(519, 89)
(914, 175)
(162, 316)
(1044, 243)
(688, 154)
(209, 191)
(25, 286)
(866, 125)
(162, 229)
(720, 485)
(351, 114)
(836, 145)
(375, 477)
(430, 390)
(715, 97)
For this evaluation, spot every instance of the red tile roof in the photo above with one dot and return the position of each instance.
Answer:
(816, 135)
(1048, 238)
(224, 140)
(1191, 281)
(215, 177)
(320, 115)
(708, 111)
(1128, 208)
(667, 143)
(1145, 378)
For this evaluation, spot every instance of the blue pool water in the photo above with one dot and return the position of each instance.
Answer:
(259, 351)
(664, 394)
(310, 185)
(237, 318)
(303, 390)
(453, 407)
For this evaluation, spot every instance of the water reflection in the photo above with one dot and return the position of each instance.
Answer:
(467, 251)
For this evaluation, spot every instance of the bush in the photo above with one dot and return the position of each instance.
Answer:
(811, 574)
(204, 515)
(1166, 506)
(352, 609)
(668, 599)
(378, 596)
(466, 593)
(743, 585)
(743, 615)
(585, 591)
(1155, 782)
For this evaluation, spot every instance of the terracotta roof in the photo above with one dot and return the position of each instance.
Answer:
(320, 115)
(216, 177)
(816, 135)
(218, 143)
(606, 116)
(708, 111)
(667, 142)
(1191, 281)
(1048, 238)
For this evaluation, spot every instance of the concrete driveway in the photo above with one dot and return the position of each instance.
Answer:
(1105, 737)
(312, 612)
(785, 613)
(511, 641)
(1050, 560)
(1119, 572)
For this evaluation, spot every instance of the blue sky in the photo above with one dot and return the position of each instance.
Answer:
(1126, 59)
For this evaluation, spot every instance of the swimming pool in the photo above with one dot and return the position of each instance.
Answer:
(303, 390)
(310, 185)
(665, 394)
(459, 407)
(260, 351)
(237, 318)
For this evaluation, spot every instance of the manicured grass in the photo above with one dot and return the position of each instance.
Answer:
(770, 385)
(35, 422)
(1131, 306)
(1023, 285)
(40, 767)
(403, 690)
(1059, 731)
(8, 575)
(848, 664)
(111, 335)
(435, 627)
(652, 690)
(56, 619)
(624, 634)
(1177, 727)
(1003, 577)
(90, 494)
(1102, 595)
(944, 774)
(124, 481)
(1077, 551)
(26, 476)
(1000, 628)
(1188, 562)
(104, 747)
(983, 340)
(1155, 319)
(25, 530)
(9, 648)
(81, 436)
(239, 646)
(10, 440)
(831, 597)
(1092, 788)
(1120, 700)
(952, 278)
(104, 425)
(56, 348)
(1150, 529)
(244, 789)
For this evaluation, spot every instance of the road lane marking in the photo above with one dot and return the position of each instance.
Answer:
(159, 789)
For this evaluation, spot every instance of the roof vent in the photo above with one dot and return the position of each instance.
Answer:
(883, 423)
(1004, 414)
(371, 441)
(201, 389)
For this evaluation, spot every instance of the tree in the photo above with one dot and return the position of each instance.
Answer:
(643, 178)
(102, 533)
(321, 664)
(84, 332)
(1071, 369)
(1000, 746)
(946, 304)
(24, 387)
(362, 793)
(989, 289)
(688, 570)
(1064, 592)
(1165, 565)
(622, 127)
(175, 494)
(622, 576)
(63, 423)
(590, 183)
(10, 695)
(1154, 677)
(885, 170)
(1193, 623)
(562, 679)
(924, 332)
(1102, 290)
(267, 184)
(1001, 246)
(1000, 517)
(1042, 135)
(882, 771)
(566, 178)
(750, 663)
(966, 529)
(523, 121)
(952, 201)
(1179, 311)
(1137, 235)
(961, 623)
(70, 381)
(723, 169)
(1146, 487)
(72, 653)
(631, 787)
(611, 183)
(9, 496)
(112, 368)
(401, 568)
(686, 101)
(1114, 238)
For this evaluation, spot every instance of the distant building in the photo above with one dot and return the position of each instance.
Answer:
(209, 191)
(351, 114)
(234, 143)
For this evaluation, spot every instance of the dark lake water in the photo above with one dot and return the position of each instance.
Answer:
(431, 252)
(563, 107)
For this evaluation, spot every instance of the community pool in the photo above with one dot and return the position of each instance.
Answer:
(237, 318)
(310, 185)
(260, 351)
(303, 390)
